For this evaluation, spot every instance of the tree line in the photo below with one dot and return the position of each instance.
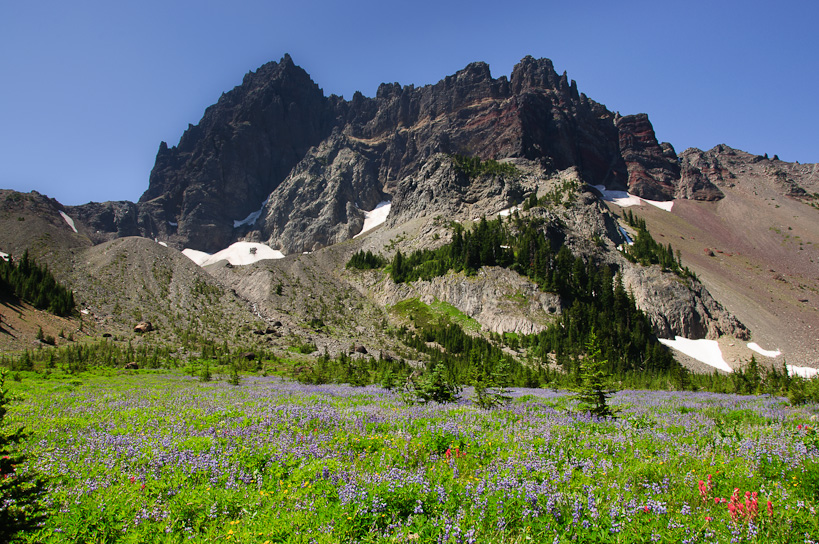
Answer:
(473, 167)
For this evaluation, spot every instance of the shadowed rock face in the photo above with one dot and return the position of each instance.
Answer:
(108, 220)
(319, 161)
(242, 149)
(653, 170)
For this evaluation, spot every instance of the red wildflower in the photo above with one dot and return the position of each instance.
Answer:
(705, 488)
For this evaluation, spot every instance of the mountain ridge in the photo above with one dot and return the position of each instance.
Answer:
(252, 139)
(277, 162)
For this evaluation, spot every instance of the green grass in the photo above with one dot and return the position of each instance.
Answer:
(438, 313)
(163, 457)
(449, 312)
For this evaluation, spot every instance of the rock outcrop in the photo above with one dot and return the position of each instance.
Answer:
(104, 221)
(653, 170)
(499, 299)
(322, 201)
(243, 148)
(439, 188)
(703, 172)
(678, 307)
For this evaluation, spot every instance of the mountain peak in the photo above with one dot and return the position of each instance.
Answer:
(533, 73)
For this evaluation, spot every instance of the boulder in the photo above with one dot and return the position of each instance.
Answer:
(143, 327)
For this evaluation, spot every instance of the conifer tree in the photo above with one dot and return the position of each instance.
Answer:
(20, 509)
(433, 385)
(593, 392)
(491, 385)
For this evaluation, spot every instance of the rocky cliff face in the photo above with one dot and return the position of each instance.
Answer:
(653, 171)
(678, 307)
(317, 161)
(499, 299)
(320, 203)
(242, 149)
(724, 166)
(104, 221)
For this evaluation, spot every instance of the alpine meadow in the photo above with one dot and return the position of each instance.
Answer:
(484, 310)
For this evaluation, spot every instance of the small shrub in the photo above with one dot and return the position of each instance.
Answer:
(205, 375)
(234, 375)
(433, 385)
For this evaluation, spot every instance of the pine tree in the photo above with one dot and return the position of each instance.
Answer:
(490, 384)
(20, 509)
(593, 392)
(234, 375)
(433, 385)
(398, 272)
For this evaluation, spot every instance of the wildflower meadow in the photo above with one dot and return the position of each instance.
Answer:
(163, 457)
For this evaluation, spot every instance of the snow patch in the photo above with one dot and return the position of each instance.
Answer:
(238, 254)
(704, 351)
(173, 224)
(625, 199)
(376, 217)
(199, 257)
(767, 353)
(250, 219)
(509, 211)
(69, 221)
(163, 244)
(802, 371)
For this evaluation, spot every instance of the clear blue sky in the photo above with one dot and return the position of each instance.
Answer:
(89, 88)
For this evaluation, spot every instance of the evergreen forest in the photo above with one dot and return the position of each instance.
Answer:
(593, 296)
(26, 280)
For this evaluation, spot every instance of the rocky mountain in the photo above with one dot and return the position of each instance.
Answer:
(243, 171)
(276, 161)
